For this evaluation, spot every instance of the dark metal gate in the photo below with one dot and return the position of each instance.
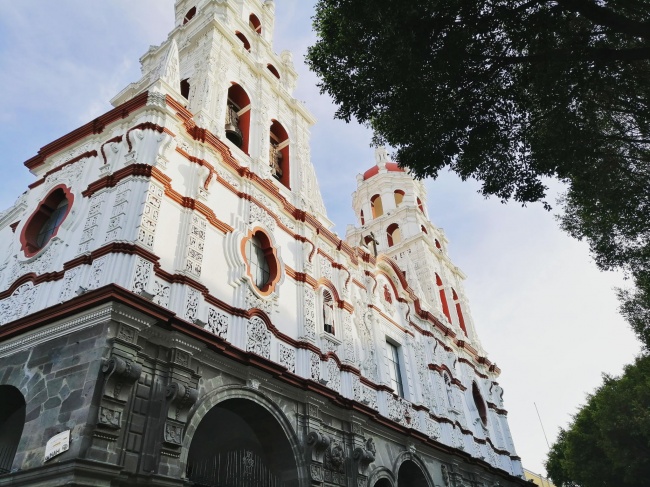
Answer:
(237, 468)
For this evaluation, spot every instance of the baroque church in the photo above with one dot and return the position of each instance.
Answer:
(175, 309)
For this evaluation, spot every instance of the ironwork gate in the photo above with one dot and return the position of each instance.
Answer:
(237, 468)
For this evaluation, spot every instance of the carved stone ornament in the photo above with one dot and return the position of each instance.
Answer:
(317, 441)
(181, 398)
(110, 418)
(446, 480)
(365, 456)
(316, 472)
(121, 374)
(173, 434)
(335, 458)
(259, 337)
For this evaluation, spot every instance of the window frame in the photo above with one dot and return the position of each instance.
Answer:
(269, 252)
(395, 368)
(45, 208)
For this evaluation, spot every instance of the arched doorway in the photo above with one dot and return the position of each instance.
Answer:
(383, 483)
(411, 475)
(239, 443)
(12, 420)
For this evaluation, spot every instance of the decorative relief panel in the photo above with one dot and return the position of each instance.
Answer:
(192, 304)
(196, 245)
(258, 215)
(325, 267)
(229, 178)
(91, 226)
(161, 292)
(433, 429)
(147, 229)
(68, 156)
(19, 304)
(287, 222)
(38, 265)
(310, 314)
(258, 337)
(253, 301)
(69, 284)
(314, 366)
(287, 357)
(96, 276)
(118, 213)
(334, 375)
(217, 323)
(141, 276)
(348, 340)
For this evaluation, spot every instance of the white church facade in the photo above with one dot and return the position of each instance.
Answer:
(175, 306)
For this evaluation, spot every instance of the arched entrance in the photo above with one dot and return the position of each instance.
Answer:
(12, 420)
(383, 483)
(239, 443)
(411, 475)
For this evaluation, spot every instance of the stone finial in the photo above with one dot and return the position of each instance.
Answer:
(381, 157)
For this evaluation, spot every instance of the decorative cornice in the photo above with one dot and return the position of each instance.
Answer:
(97, 126)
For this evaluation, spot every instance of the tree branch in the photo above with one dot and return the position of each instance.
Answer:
(606, 17)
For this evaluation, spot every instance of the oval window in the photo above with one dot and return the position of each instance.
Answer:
(261, 262)
(44, 223)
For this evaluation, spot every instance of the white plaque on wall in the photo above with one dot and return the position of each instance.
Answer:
(57, 444)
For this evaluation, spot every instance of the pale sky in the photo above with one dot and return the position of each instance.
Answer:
(544, 313)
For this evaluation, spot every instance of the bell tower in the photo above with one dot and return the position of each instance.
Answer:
(219, 63)
(392, 219)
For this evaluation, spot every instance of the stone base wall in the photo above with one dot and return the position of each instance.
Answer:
(133, 395)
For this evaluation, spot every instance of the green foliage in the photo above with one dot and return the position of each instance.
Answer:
(509, 92)
(608, 442)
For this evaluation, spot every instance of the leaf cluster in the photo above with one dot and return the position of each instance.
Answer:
(608, 442)
(508, 92)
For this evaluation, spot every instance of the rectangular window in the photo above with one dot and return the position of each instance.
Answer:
(394, 369)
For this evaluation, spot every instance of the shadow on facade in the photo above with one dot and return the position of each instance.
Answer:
(240, 444)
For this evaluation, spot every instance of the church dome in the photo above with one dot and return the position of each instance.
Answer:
(390, 167)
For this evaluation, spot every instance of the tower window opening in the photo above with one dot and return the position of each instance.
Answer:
(424, 229)
(459, 311)
(443, 298)
(279, 153)
(273, 71)
(244, 40)
(420, 205)
(399, 197)
(376, 206)
(394, 234)
(255, 24)
(185, 88)
(328, 313)
(363, 220)
(438, 246)
(189, 15)
(479, 403)
(238, 117)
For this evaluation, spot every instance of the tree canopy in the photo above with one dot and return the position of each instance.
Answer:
(608, 442)
(510, 93)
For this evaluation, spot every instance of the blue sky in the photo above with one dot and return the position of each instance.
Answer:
(544, 313)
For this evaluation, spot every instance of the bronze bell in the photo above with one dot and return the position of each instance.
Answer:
(233, 132)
